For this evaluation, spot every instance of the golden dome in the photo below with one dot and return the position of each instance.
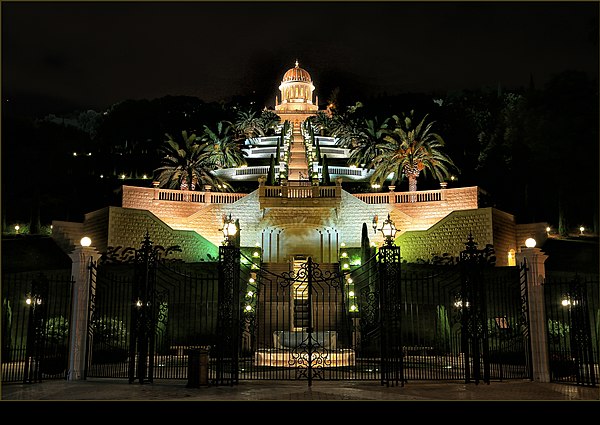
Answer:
(296, 74)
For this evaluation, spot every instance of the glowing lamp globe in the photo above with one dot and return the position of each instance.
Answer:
(530, 243)
(85, 241)
(389, 230)
(231, 230)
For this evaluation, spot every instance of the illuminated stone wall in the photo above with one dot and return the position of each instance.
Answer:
(126, 227)
(487, 225)
(425, 228)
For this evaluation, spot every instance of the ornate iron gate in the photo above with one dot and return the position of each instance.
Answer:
(302, 320)
(312, 321)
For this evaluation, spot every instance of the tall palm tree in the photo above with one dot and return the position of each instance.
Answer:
(408, 151)
(225, 150)
(186, 159)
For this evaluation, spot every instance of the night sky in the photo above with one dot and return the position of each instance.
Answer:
(96, 54)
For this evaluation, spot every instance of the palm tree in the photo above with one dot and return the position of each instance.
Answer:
(322, 122)
(268, 121)
(187, 160)
(408, 152)
(365, 139)
(345, 125)
(225, 150)
(248, 124)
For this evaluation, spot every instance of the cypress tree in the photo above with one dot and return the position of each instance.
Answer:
(271, 174)
(325, 171)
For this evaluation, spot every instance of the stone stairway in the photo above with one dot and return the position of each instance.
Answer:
(297, 165)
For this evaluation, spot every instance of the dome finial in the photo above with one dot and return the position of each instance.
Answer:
(296, 63)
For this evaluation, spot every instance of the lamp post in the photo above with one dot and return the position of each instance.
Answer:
(392, 370)
(388, 229)
(229, 230)
(228, 302)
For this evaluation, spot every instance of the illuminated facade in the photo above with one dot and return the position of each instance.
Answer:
(300, 214)
(296, 96)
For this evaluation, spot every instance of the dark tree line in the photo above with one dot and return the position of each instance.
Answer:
(533, 150)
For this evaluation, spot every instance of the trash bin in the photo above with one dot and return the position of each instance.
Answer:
(197, 367)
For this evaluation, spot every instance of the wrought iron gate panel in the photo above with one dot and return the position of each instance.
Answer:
(143, 314)
(298, 324)
(573, 325)
(186, 318)
(465, 321)
(147, 312)
(507, 323)
(36, 313)
(110, 321)
(431, 318)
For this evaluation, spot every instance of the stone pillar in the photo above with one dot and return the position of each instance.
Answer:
(207, 194)
(316, 191)
(156, 194)
(536, 273)
(392, 195)
(338, 187)
(261, 185)
(81, 257)
(284, 188)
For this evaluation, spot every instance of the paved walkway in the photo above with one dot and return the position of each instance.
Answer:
(176, 390)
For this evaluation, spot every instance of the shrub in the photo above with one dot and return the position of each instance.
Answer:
(57, 330)
(110, 331)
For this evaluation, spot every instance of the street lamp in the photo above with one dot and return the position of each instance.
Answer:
(229, 230)
(530, 243)
(389, 231)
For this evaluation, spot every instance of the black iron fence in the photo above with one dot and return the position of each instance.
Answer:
(573, 324)
(147, 313)
(361, 319)
(373, 319)
(36, 313)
